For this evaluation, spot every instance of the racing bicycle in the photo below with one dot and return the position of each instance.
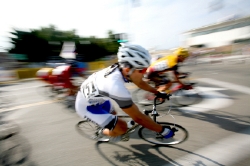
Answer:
(89, 129)
(59, 92)
(181, 96)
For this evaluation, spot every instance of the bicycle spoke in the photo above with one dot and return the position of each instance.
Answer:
(186, 97)
(87, 129)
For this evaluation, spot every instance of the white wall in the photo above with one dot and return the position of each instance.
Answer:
(219, 38)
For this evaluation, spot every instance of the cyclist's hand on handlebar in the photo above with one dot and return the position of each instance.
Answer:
(167, 132)
(163, 95)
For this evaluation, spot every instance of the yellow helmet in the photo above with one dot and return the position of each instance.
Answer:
(181, 52)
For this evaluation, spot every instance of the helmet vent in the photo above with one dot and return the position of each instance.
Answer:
(139, 63)
(130, 54)
(141, 55)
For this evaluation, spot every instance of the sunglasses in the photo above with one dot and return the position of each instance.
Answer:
(142, 70)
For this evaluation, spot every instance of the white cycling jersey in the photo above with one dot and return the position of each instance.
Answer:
(97, 88)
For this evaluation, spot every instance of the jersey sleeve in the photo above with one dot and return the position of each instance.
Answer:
(119, 93)
(113, 86)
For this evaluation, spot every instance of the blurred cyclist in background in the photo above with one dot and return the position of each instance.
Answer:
(157, 69)
(64, 75)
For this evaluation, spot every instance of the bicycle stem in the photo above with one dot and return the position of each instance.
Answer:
(155, 113)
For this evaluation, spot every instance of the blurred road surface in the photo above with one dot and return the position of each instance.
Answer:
(219, 126)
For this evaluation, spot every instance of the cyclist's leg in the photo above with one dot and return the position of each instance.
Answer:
(154, 76)
(165, 84)
(162, 83)
(165, 87)
(113, 129)
(119, 129)
(72, 88)
(101, 114)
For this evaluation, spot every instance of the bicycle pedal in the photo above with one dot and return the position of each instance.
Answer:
(174, 129)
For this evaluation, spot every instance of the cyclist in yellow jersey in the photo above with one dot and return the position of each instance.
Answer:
(166, 64)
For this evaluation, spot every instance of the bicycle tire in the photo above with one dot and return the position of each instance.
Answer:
(52, 92)
(6, 98)
(159, 140)
(184, 97)
(87, 129)
(46, 90)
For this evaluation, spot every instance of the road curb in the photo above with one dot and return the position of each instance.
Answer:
(34, 79)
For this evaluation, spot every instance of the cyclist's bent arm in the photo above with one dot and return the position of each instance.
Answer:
(177, 79)
(142, 119)
(138, 81)
(145, 86)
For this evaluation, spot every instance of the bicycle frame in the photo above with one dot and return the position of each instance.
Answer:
(153, 113)
(178, 87)
(188, 83)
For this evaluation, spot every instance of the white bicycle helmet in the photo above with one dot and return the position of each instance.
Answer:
(135, 55)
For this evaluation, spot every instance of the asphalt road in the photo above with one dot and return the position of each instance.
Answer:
(218, 126)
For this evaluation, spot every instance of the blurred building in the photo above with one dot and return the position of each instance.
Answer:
(6, 61)
(226, 32)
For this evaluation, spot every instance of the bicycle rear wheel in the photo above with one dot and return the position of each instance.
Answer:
(7, 99)
(88, 129)
(155, 138)
(184, 97)
(46, 90)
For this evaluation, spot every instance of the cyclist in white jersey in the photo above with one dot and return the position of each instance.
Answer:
(93, 100)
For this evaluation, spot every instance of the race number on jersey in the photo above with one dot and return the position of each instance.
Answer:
(89, 88)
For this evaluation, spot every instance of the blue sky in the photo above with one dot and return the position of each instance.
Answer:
(154, 23)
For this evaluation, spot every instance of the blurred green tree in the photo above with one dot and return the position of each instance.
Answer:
(36, 49)
(41, 44)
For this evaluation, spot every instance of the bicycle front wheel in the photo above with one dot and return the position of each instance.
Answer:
(155, 138)
(186, 97)
(46, 90)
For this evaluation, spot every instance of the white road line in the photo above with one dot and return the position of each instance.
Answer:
(224, 152)
(28, 105)
(15, 103)
(235, 87)
(211, 100)
(22, 88)
(209, 89)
